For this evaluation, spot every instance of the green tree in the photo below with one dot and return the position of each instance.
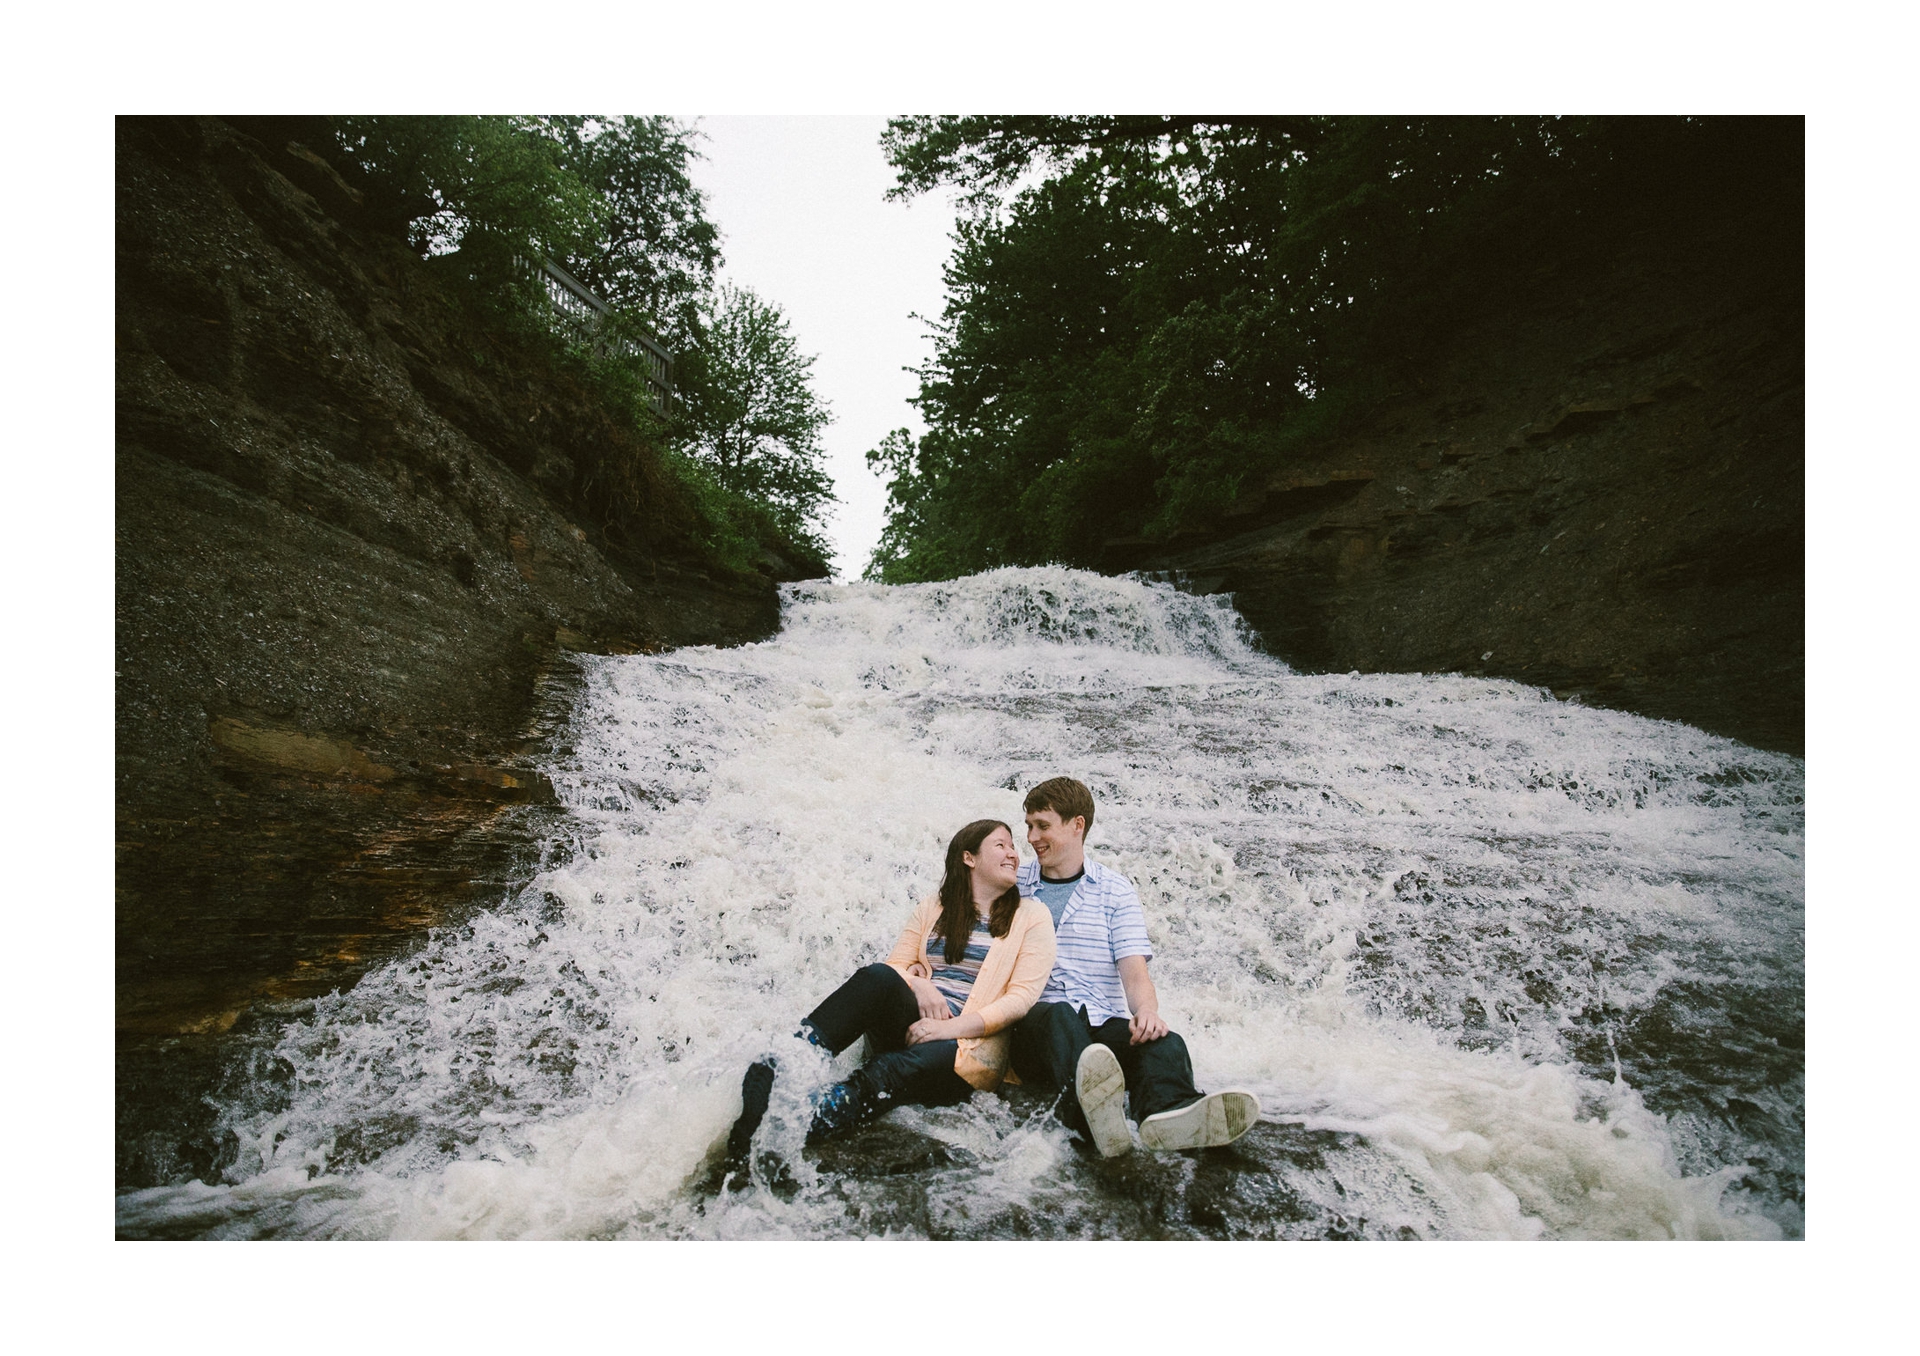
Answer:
(1137, 338)
(611, 199)
(494, 188)
(750, 413)
(656, 252)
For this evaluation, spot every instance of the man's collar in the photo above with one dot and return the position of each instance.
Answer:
(1030, 870)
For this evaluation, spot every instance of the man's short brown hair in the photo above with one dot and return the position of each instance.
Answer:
(1065, 797)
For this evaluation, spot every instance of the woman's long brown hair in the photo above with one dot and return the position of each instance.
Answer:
(958, 912)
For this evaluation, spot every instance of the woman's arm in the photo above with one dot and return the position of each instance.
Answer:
(962, 1028)
(906, 958)
(1030, 970)
(911, 946)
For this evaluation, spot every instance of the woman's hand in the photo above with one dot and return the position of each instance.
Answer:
(965, 1027)
(933, 1029)
(933, 1003)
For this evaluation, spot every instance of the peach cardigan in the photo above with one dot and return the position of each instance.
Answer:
(1010, 979)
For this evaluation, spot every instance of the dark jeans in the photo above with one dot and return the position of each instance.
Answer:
(875, 1003)
(1047, 1044)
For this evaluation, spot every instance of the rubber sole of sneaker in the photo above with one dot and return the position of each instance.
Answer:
(1102, 1090)
(1216, 1119)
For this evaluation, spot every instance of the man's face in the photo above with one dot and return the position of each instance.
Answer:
(1050, 839)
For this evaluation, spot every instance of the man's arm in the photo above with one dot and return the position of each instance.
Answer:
(1141, 998)
(1127, 935)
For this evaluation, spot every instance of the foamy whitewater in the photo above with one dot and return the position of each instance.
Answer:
(1497, 966)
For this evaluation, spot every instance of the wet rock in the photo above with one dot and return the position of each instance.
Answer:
(353, 557)
(899, 1177)
(885, 1149)
(294, 750)
(1607, 498)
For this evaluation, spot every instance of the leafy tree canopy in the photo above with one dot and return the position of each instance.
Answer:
(609, 198)
(470, 182)
(1147, 315)
(612, 200)
(751, 413)
(655, 252)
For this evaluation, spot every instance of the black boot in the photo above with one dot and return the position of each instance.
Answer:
(755, 1090)
(844, 1105)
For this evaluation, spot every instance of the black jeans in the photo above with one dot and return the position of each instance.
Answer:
(878, 1004)
(1047, 1044)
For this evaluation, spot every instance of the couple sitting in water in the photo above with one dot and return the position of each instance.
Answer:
(1042, 967)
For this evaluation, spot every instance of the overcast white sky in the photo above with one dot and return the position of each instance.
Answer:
(803, 222)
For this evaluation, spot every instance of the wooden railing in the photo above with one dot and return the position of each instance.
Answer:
(577, 307)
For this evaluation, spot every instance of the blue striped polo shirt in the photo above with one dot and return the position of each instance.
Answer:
(955, 980)
(1101, 924)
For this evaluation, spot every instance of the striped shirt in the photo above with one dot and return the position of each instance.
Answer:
(1101, 924)
(955, 980)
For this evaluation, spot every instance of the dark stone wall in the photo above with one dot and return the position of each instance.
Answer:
(356, 541)
(1593, 482)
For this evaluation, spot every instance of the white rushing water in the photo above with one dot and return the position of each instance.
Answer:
(1496, 965)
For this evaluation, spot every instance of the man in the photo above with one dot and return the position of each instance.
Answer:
(1096, 1032)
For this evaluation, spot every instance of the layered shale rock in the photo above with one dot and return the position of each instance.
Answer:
(356, 542)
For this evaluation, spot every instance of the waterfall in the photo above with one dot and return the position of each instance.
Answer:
(1496, 965)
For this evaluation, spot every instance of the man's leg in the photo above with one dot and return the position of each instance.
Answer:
(1172, 1113)
(1046, 1051)
(1159, 1072)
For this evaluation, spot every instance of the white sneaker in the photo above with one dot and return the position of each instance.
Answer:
(1216, 1119)
(1102, 1090)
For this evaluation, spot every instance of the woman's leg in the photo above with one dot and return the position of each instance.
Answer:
(875, 1003)
(755, 1091)
(919, 1075)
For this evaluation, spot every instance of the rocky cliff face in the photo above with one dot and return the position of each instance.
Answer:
(1595, 484)
(355, 542)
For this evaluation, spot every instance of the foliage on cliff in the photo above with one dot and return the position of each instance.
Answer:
(613, 201)
(1146, 316)
(747, 388)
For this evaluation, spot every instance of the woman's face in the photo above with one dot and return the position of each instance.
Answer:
(997, 863)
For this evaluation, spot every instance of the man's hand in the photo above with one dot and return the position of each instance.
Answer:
(1146, 1026)
(933, 1029)
(933, 1003)
(1141, 1000)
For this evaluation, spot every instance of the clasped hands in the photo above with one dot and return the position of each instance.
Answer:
(936, 1025)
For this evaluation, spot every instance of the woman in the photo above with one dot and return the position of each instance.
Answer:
(968, 965)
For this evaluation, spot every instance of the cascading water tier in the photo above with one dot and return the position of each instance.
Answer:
(1496, 965)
